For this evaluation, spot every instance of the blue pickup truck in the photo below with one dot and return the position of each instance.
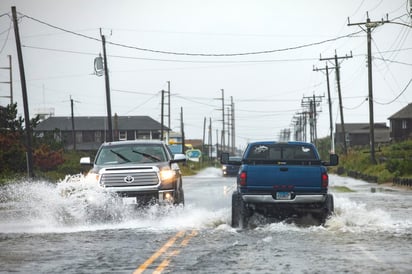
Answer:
(281, 180)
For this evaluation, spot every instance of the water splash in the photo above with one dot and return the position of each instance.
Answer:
(76, 204)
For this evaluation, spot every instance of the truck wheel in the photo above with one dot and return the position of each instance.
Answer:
(329, 204)
(328, 209)
(179, 197)
(235, 209)
(182, 197)
(244, 214)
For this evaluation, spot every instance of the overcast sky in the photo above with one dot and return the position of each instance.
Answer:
(262, 54)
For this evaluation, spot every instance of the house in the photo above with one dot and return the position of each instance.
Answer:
(90, 132)
(357, 134)
(401, 124)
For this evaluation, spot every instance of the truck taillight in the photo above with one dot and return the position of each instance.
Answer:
(242, 178)
(325, 180)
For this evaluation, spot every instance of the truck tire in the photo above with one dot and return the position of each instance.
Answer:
(329, 204)
(182, 197)
(328, 208)
(244, 213)
(235, 209)
(179, 197)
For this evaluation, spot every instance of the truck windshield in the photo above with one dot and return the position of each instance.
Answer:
(141, 153)
(281, 152)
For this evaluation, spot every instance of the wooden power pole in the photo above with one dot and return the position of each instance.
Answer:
(28, 128)
(370, 25)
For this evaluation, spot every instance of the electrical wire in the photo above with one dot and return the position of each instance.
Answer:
(392, 61)
(145, 102)
(195, 54)
(375, 7)
(7, 38)
(176, 60)
(396, 98)
(356, 107)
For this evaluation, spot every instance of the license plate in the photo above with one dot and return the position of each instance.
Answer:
(129, 200)
(283, 196)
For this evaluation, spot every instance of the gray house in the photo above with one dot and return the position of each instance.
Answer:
(401, 124)
(90, 132)
(357, 134)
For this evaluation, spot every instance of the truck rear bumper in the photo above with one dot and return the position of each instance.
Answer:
(298, 199)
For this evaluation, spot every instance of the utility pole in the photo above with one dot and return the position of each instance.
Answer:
(204, 135)
(106, 77)
(370, 25)
(168, 112)
(229, 126)
(311, 102)
(24, 91)
(182, 130)
(210, 141)
(223, 120)
(337, 70)
(232, 104)
(10, 82)
(73, 130)
(332, 143)
(162, 115)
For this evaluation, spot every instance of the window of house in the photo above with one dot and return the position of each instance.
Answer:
(98, 136)
(122, 135)
(79, 137)
(404, 124)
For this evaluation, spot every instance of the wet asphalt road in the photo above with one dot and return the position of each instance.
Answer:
(40, 232)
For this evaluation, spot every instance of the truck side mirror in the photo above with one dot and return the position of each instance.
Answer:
(85, 161)
(224, 158)
(333, 160)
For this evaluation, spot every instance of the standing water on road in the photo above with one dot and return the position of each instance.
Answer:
(370, 231)
(76, 205)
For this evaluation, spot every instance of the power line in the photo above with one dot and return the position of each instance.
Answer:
(7, 37)
(195, 54)
(402, 92)
(175, 60)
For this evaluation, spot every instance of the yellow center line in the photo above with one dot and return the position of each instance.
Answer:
(163, 249)
(159, 252)
(173, 253)
(166, 262)
(188, 237)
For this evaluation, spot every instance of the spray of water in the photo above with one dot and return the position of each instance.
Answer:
(76, 204)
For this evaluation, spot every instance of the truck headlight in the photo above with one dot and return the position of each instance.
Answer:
(167, 174)
(92, 177)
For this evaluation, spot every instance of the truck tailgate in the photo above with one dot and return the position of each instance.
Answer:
(293, 177)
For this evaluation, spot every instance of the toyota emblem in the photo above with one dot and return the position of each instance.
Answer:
(128, 179)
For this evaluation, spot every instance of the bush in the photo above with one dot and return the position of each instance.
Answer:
(46, 159)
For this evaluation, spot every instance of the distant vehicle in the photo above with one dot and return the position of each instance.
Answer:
(231, 168)
(140, 172)
(281, 180)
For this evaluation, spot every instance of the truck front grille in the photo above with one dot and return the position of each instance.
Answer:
(132, 178)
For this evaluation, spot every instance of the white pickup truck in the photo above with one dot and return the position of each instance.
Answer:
(140, 172)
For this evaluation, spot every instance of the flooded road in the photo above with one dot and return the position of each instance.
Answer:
(42, 230)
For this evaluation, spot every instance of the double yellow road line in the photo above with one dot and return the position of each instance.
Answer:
(183, 235)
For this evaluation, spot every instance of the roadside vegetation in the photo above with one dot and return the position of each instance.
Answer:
(392, 161)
